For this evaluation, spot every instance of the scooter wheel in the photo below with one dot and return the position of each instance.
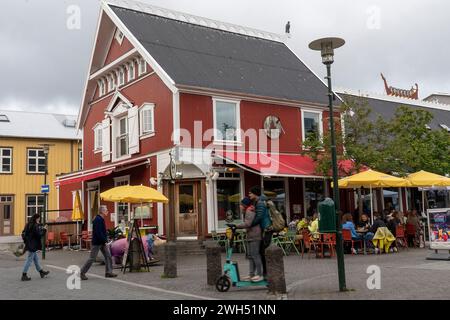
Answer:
(223, 284)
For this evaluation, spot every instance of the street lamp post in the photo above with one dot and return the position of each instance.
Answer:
(45, 148)
(326, 46)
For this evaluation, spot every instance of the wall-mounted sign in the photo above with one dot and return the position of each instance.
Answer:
(272, 127)
(439, 228)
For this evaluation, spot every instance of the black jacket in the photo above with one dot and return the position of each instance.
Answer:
(99, 235)
(378, 223)
(33, 237)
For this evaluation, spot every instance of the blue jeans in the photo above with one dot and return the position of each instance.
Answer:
(32, 257)
(366, 237)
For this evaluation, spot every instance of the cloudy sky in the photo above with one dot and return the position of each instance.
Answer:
(44, 63)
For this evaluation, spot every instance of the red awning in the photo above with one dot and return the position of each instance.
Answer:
(283, 165)
(84, 177)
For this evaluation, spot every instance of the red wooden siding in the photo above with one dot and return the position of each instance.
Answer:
(116, 50)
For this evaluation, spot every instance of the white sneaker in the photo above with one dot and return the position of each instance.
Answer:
(247, 278)
(257, 278)
(395, 249)
(354, 251)
(377, 251)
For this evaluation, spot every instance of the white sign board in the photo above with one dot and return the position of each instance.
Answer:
(439, 228)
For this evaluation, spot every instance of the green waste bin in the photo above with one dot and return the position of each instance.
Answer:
(327, 216)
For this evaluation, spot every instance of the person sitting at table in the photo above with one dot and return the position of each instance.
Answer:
(313, 226)
(347, 223)
(363, 227)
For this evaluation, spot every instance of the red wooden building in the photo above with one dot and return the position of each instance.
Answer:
(200, 109)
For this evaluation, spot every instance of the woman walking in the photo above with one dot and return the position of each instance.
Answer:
(32, 236)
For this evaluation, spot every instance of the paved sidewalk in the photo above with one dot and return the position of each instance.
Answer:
(404, 275)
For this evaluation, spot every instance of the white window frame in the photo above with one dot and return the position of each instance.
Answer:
(119, 36)
(101, 87)
(131, 71)
(238, 140)
(36, 206)
(142, 66)
(151, 108)
(10, 157)
(320, 113)
(80, 159)
(242, 192)
(37, 158)
(111, 82)
(98, 143)
(119, 136)
(120, 75)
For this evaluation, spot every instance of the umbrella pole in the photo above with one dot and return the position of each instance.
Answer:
(371, 203)
(423, 201)
(142, 219)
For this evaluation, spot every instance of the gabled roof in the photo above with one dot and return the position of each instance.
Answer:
(386, 106)
(24, 124)
(200, 56)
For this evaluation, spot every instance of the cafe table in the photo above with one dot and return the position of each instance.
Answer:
(363, 235)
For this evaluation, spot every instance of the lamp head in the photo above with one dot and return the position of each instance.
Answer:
(326, 47)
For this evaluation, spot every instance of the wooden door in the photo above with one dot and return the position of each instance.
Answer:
(186, 211)
(6, 219)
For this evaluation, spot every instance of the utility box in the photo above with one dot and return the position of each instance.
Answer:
(327, 216)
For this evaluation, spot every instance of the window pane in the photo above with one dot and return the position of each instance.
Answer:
(32, 161)
(31, 200)
(123, 146)
(41, 168)
(311, 123)
(228, 199)
(32, 168)
(7, 212)
(226, 120)
(6, 161)
(6, 152)
(6, 168)
(32, 153)
(314, 193)
(30, 212)
(40, 200)
(186, 199)
(41, 162)
(41, 153)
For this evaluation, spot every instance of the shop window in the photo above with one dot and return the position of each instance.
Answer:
(228, 200)
(314, 193)
(274, 190)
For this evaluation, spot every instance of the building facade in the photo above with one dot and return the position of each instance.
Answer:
(201, 110)
(23, 136)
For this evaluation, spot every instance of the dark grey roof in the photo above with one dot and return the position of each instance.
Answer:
(387, 109)
(200, 56)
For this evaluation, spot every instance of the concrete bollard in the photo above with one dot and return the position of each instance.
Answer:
(275, 270)
(213, 262)
(135, 256)
(170, 260)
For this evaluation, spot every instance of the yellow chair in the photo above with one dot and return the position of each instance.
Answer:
(383, 239)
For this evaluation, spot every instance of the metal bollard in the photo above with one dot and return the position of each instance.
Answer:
(275, 270)
(213, 263)
(135, 257)
(170, 260)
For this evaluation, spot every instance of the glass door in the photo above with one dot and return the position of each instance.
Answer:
(187, 210)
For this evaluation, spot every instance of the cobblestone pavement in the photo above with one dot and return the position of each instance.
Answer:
(404, 275)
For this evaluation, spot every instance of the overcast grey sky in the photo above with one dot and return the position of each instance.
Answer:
(44, 64)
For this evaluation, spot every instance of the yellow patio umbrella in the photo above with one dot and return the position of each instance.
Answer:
(133, 194)
(427, 179)
(370, 179)
(77, 211)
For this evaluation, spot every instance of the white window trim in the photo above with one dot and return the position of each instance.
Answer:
(118, 180)
(131, 65)
(10, 159)
(141, 61)
(238, 141)
(119, 36)
(37, 206)
(101, 87)
(111, 82)
(320, 113)
(151, 133)
(98, 126)
(118, 71)
(37, 161)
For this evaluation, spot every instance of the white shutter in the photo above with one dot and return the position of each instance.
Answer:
(133, 132)
(106, 140)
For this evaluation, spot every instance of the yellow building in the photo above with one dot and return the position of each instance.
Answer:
(24, 136)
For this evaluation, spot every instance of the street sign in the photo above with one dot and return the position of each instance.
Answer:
(45, 188)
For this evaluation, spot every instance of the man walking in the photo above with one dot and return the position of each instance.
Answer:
(262, 218)
(99, 240)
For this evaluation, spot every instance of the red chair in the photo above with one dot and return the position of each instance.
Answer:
(347, 237)
(50, 239)
(308, 243)
(86, 238)
(63, 238)
(400, 238)
(411, 234)
(329, 239)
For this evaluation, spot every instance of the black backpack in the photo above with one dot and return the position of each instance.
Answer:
(25, 233)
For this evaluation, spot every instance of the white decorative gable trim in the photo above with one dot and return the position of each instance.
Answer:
(115, 97)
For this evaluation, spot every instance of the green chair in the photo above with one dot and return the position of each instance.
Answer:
(287, 242)
(221, 239)
(240, 241)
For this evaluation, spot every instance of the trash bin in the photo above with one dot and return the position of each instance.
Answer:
(327, 216)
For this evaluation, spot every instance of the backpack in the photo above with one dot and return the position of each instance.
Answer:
(25, 233)
(276, 217)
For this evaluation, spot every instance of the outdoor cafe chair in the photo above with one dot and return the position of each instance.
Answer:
(400, 237)
(411, 234)
(329, 239)
(86, 238)
(287, 242)
(240, 241)
(63, 238)
(220, 239)
(50, 239)
(347, 237)
(308, 243)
